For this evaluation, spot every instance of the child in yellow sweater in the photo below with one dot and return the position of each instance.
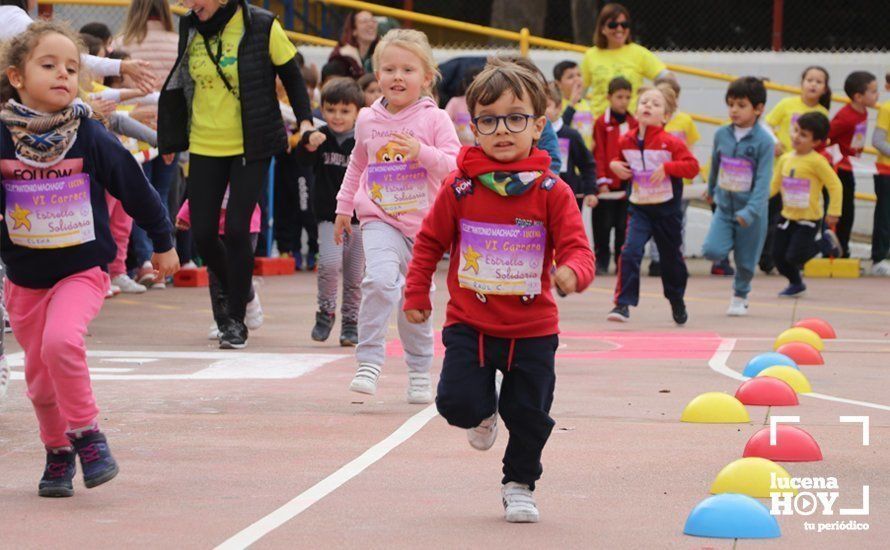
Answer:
(800, 175)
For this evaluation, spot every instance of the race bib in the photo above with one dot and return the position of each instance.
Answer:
(858, 140)
(583, 122)
(564, 154)
(398, 187)
(462, 126)
(736, 175)
(49, 213)
(646, 191)
(501, 258)
(795, 192)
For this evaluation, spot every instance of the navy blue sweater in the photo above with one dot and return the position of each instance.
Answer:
(580, 171)
(97, 153)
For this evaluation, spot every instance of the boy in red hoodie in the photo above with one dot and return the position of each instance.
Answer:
(505, 219)
(611, 212)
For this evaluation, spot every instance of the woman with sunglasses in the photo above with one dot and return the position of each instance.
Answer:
(615, 54)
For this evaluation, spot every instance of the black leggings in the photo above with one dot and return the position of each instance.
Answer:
(231, 261)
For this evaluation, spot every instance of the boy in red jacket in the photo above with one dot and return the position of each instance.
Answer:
(611, 212)
(505, 219)
(656, 162)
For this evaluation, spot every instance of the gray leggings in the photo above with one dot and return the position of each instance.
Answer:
(334, 259)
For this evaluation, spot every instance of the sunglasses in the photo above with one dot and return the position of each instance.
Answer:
(615, 24)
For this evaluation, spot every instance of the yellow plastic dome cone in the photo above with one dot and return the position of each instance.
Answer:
(799, 334)
(715, 408)
(753, 476)
(792, 376)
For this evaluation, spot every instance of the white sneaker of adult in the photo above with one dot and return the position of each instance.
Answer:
(254, 316)
(483, 436)
(738, 307)
(365, 379)
(213, 333)
(419, 388)
(128, 285)
(519, 503)
(881, 269)
(5, 375)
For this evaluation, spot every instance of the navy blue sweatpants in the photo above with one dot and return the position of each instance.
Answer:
(466, 393)
(665, 226)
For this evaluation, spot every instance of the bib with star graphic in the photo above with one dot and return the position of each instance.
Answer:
(49, 213)
(398, 187)
(501, 258)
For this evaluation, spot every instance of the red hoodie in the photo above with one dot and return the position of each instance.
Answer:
(848, 128)
(606, 135)
(502, 248)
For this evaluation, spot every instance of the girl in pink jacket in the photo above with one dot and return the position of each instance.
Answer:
(405, 146)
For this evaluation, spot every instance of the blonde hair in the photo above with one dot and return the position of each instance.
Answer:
(140, 11)
(17, 51)
(415, 42)
(667, 92)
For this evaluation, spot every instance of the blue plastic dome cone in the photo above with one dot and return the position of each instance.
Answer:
(731, 516)
(767, 360)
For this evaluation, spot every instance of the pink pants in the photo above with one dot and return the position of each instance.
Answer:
(121, 225)
(50, 324)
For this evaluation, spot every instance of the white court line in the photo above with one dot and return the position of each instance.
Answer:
(323, 488)
(724, 350)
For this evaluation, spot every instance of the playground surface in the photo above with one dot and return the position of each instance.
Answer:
(267, 447)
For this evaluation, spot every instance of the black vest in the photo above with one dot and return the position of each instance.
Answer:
(261, 122)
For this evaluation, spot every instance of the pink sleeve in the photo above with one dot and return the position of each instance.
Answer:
(440, 158)
(358, 161)
(255, 224)
(184, 213)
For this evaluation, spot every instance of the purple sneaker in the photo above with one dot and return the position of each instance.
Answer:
(95, 458)
(58, 475)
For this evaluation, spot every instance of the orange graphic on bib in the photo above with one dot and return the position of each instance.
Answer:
(390, 152)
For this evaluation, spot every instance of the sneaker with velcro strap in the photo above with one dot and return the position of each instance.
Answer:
(519, 503)
(365, 379)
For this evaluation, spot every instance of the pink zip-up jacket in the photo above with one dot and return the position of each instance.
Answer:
(439, 147)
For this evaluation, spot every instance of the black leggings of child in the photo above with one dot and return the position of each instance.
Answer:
(793, 246)
(231, 261)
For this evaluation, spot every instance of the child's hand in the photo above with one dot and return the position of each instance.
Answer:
(780, 149)
(342, 223)
(577, 91)
(658, 175)
(103, 106)
(621, 169)
(407, 144)
(591, 200)
(165, 263)
(182, 225)
(140, 71)
(831, 221)
(741, 221)
(603, 189)
(168, 158)
(316, 138)
(565, 280)
(707, 198)
(417, 316)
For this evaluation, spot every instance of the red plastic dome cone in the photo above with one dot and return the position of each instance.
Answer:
(802, 354)
(766, 391)
(819, 326)
(792, 445)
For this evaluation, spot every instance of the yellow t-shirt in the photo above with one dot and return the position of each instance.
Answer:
(800, 179)
(785, 113)
(216, 113)
(583, 120)
(884, 124)
(682, 126)
(599, 67)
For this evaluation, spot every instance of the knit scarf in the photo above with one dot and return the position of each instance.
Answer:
(504, 179)
(42, 139)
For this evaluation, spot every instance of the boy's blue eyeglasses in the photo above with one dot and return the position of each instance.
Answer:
(514, 123)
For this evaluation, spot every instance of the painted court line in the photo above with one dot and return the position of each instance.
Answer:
(323, 488)
(724, 350)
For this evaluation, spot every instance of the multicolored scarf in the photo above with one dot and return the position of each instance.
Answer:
(509, 183)
(42, 139)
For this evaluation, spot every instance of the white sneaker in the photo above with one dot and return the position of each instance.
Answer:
(213, 333)
(738, 307)
(113, 290)
(365, 379)
(5, 375)
(419, 388)
(254, 316)
(160, 285)
(482, 437)
(128, 285)
(145, 275)
(189, 265)
(881, 269)
(519, 503)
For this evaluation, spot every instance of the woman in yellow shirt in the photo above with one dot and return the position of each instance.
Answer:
(219, 103)
(615, 54)
(815, 95)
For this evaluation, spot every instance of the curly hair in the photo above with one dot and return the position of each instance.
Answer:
(16, 51)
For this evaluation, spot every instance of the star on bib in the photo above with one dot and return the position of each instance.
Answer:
(376, 192)
(20, 217)
(471, 257)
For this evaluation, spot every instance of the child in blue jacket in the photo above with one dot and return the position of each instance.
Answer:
(739, 184)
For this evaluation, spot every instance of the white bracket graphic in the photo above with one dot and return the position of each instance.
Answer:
(774, 421)
(862, 420)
